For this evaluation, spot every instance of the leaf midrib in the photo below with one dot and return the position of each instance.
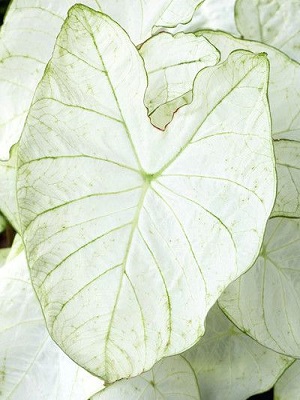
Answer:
(134, 226)
(115, 96)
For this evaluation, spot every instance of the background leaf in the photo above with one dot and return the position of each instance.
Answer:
(8, 198)
(288, 386)
(272, 22)
(213, 14)
(31, 364)
(264, 302)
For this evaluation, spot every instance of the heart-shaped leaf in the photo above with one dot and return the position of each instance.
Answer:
(272, 22)
(224, 365)
(116, 214)
(31, 364)
(284, 97)
(28, 37)
(265, 301)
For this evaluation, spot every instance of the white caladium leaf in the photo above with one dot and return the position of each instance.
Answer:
(31, 365)
(287, 155)
(213, 14)
(16, 249)
(288, 386)
(115, 213)
(27, 39)
(284, 98)
(265, 301)
(272, 22)
(8, 199)
(225, 364)
(172, 63)
(3, 256)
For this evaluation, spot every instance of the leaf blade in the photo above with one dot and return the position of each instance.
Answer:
(110, 242)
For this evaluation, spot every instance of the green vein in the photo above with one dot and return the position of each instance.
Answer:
(263, 299)
(41, 9)
(81, 290)
(245, 135)
(81, 156)
(283, 296)
(206, 210)
(170, 249)
(81, 223)
(188, 142)
(174, 65)
(289, 166)
(269, 239)
(284, 246)
(80, 107)
(216, 178)
(80, 248)
(169, 307)
(78, 199)
(194, 373)
(22, 56)
(30, 321)
(44, 342)
(80, 59)
(114, 94)
(141, 311)
(134, 225)
(186, 237)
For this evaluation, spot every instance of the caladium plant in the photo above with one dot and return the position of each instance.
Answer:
(153, 152)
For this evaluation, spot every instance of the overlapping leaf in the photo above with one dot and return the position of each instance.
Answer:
(8, 200)
(115, 213)
(224, 365)
(273, 22)
(31, 364)
(28, 36)
(3, 256)
(288, 386)
(265, 301)
(284, 97)
(171, 378)
(172, 63)
(213, 14)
